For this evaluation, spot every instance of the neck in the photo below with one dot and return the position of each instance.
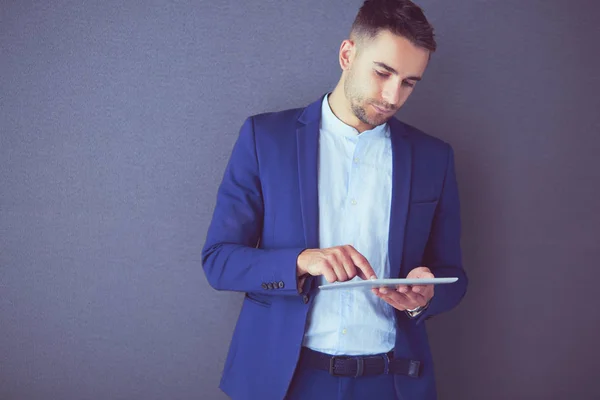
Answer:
(341, 108)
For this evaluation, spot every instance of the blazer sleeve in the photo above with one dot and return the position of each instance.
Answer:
(442, 252)
(230, 257)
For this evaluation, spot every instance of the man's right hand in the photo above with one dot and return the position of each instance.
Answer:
(336, 264)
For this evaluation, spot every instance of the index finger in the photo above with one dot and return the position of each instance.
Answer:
(365, 271)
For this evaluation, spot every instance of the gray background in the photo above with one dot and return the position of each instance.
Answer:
(117, 121)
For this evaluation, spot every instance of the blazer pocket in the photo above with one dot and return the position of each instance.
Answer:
(258, 300)
(419, 202)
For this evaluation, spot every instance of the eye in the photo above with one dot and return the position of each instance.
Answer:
(382, 74)
(407, 83)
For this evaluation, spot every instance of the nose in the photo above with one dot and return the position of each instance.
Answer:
(391, 94)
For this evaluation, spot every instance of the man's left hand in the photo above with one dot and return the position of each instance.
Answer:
(408, 297)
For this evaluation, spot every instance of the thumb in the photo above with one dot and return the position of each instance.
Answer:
(420, 272)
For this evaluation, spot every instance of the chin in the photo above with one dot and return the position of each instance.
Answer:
(378, 120)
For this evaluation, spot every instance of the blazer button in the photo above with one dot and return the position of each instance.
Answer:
(264, 286)
(281, 284)
(270, 285)
(305, 299)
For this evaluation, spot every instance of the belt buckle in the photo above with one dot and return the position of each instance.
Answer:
(360, 365)
(332, 365)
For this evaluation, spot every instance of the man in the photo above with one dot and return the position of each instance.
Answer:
(336, 191)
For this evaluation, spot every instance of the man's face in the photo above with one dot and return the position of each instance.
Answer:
(381, 76)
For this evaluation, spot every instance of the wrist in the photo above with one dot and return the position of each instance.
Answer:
(300, 270)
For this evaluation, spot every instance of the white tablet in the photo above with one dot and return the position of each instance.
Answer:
(376, 283)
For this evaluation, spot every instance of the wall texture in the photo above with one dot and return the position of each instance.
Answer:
(117, 119)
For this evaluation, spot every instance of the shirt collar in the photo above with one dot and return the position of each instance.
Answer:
(331, 123)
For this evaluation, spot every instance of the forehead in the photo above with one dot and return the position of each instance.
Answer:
(397, 52)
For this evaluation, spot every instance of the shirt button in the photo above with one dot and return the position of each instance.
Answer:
(353, 202)
(305, 299)
(344, 331)
(356, 160)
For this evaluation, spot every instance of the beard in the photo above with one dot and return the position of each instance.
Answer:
(358, 103)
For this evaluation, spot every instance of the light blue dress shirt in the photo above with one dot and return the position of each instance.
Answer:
(355, 190)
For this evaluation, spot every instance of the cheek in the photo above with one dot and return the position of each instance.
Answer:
(376, 86)
(372, 89)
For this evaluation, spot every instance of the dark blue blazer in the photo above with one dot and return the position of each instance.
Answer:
(267, 213)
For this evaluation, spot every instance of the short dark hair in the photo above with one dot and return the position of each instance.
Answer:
(401, 17)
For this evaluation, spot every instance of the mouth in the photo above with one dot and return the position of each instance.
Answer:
(381, 110)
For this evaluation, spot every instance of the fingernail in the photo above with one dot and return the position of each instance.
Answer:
(373, 278)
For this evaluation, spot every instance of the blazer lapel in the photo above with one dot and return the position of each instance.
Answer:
(401, 184)
(307, 138)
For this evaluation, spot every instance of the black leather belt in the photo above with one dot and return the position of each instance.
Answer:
(360, 365)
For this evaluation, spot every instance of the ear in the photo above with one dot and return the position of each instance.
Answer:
(347, 54)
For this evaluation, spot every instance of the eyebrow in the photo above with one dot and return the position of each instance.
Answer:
(393, 71)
